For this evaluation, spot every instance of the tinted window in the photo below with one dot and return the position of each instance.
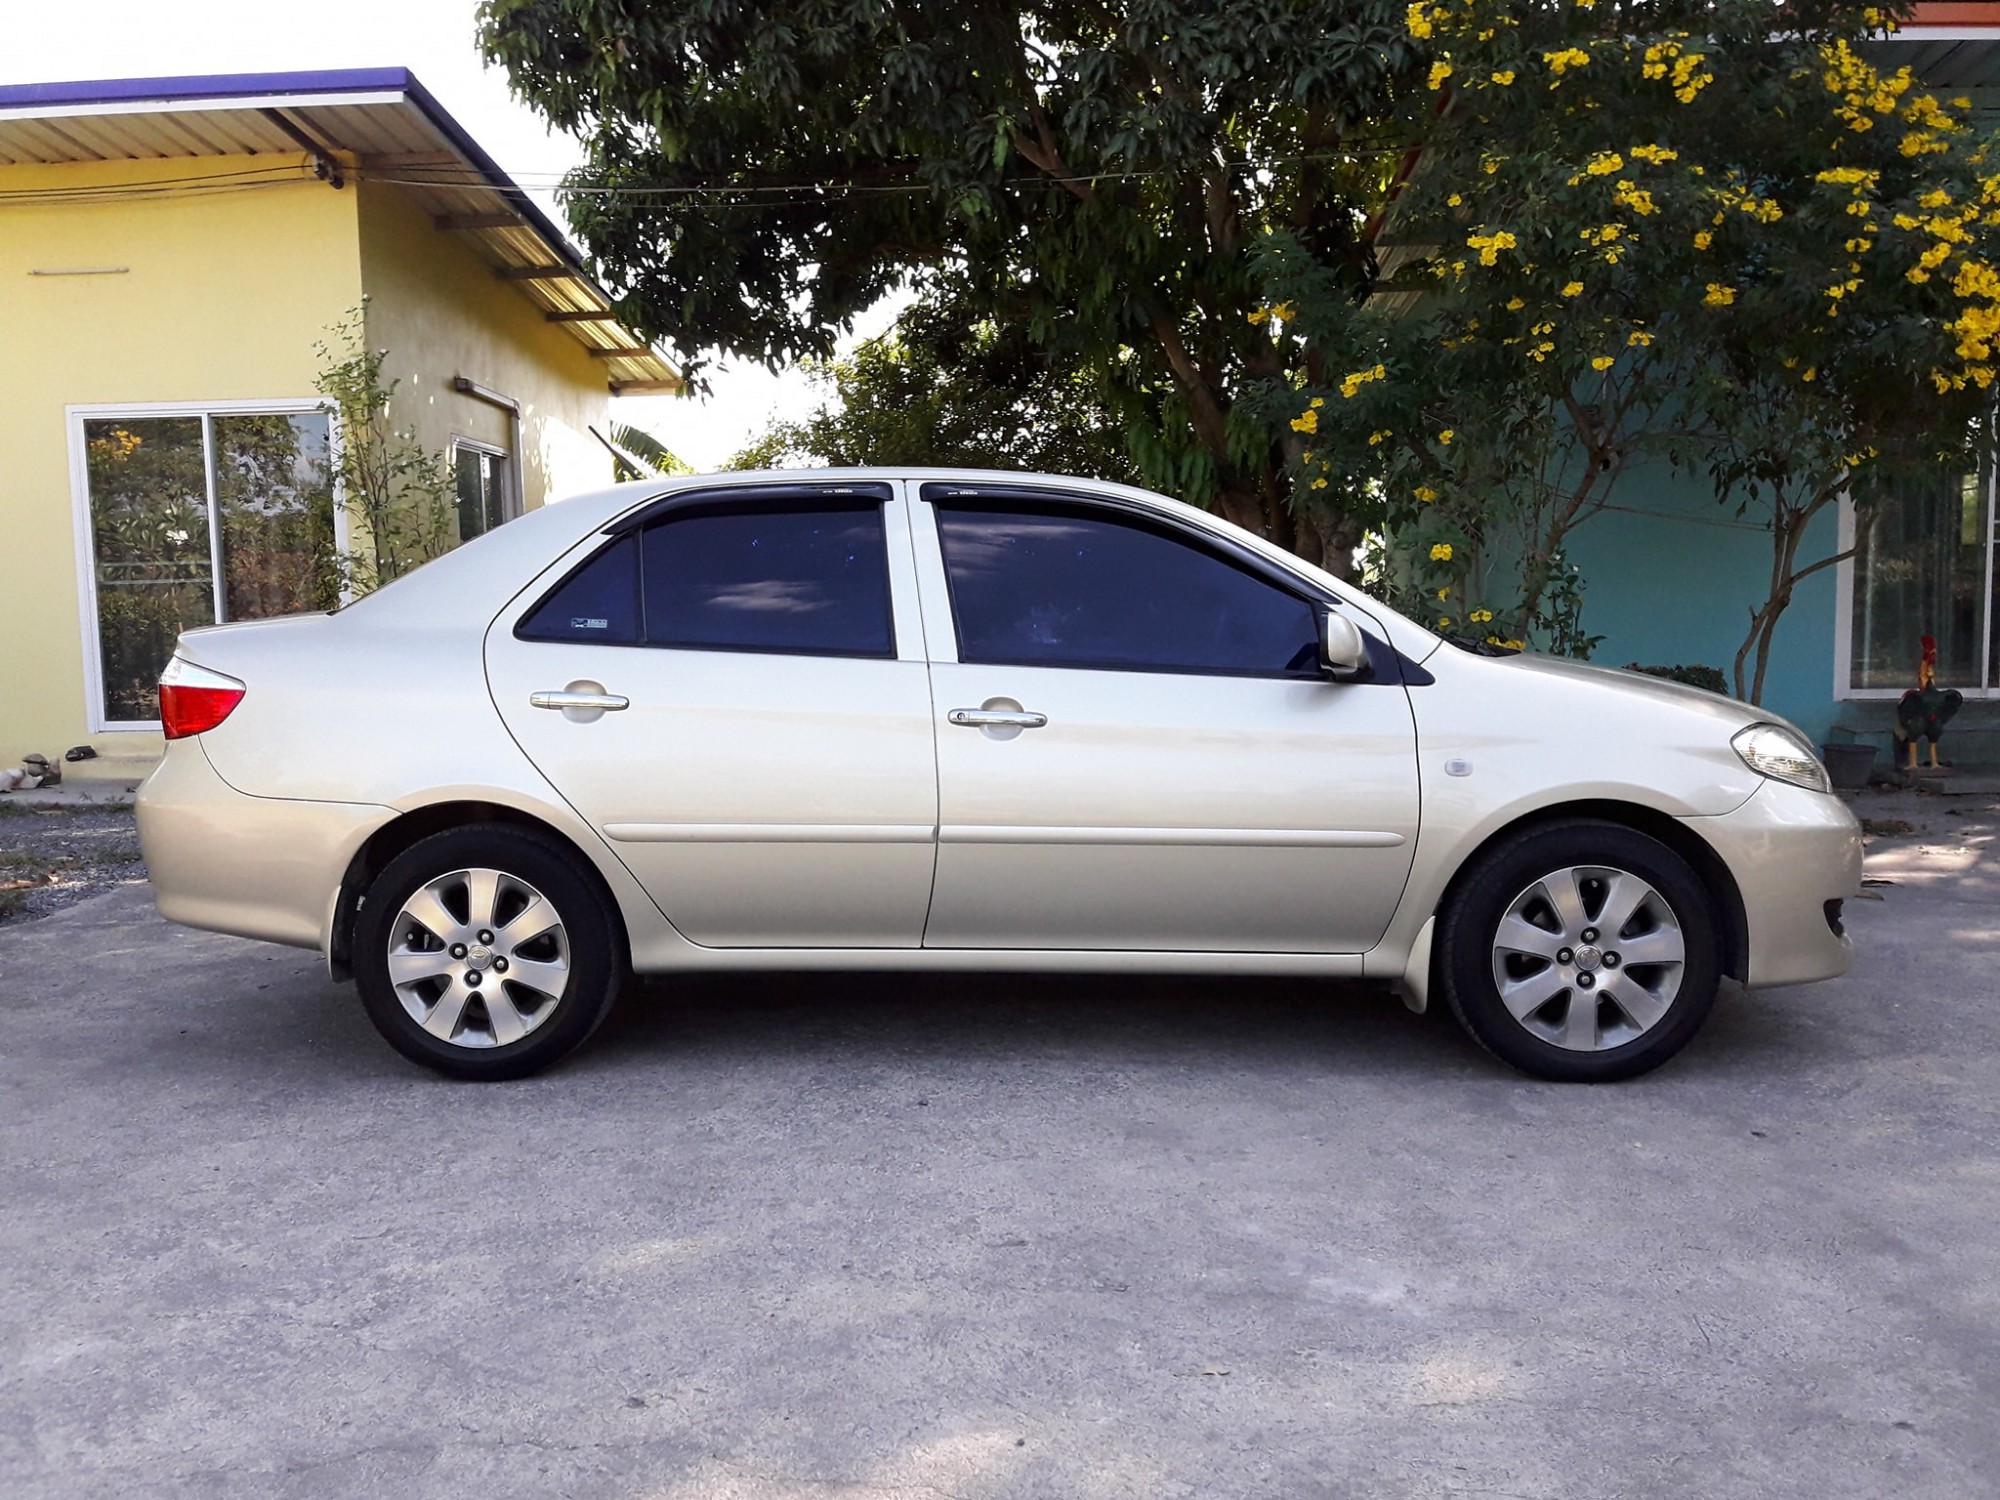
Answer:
(1073, 588)
(598, 602)
(801, 581)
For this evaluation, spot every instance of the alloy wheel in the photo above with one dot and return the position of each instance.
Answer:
(1589, 958)
(478, 958)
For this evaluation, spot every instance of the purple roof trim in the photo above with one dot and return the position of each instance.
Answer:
(208, 86)
(169, 92)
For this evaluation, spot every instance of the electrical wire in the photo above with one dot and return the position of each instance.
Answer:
(568, 186)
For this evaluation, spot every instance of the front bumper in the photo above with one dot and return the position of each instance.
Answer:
(257, 867)
(1791, 852)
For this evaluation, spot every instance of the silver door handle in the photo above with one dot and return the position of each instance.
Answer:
(609, 701)
(997, 718)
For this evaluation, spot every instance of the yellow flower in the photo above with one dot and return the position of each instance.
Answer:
(1454, 201)
(1444, 621)
(1375, 439)
(1440, 71)
(1560, 62)
(1704, 238)
(1602, 362)
(1659, 156)
(1441, 553)
(1503, 76)
(1350, 385)
(1572, 289)
(1418, 19)
(1447, 435)
(1489, 246)
(1604, 164)
(1638, 338)
(1425, 493)
(1306, 421)
(1719, 295)
(1319, 484)
(1515, 304)
(1480, 616)
(1444, 593)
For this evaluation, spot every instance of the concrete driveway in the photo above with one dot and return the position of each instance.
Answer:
(817, 1238)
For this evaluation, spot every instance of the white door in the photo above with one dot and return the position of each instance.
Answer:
(721, 693)
(1136, 749)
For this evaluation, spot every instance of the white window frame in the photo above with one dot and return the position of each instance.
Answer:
(1843, 608)
(86, 548)
(510, 493)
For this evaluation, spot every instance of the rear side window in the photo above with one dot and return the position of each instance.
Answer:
(1062, 587)
(598, 602)
(799, 581)
(795, 579)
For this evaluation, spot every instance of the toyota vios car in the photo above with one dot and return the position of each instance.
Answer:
(881, 720)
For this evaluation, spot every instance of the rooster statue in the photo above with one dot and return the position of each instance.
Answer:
(1926, 708)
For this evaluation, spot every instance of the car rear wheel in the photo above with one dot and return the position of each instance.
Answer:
(486, 953)
(1581, 952)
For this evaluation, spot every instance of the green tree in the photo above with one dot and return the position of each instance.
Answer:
(1708, 235)
(1094, 176)
(399, 496)
(947, 389)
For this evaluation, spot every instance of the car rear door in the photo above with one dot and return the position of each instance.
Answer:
(1136, 749)
(733, 691)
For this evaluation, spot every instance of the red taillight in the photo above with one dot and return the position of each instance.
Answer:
(193, 700)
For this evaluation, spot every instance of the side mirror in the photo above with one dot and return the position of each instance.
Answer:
(1343, 650)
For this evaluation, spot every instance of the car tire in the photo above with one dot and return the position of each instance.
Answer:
(487, 953)
(1580, 952)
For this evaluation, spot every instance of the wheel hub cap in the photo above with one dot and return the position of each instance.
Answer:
(1587, 959)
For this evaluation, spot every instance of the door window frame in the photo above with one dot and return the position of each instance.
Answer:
(906, 617)
(1389, 669)
(85, 545)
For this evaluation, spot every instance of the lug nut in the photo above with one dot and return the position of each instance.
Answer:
(1610, 960)
(500, 965)
(472, 978)
(458, 950)
(1564, 956)
(1584, 981)
(485, 936)
(1589, 935)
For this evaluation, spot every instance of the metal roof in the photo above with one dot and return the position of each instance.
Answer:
(369, 124)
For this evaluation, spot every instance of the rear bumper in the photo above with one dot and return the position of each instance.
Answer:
(1791, 852)
(257, 867)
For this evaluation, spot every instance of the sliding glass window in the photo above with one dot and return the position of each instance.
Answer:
(195, 519)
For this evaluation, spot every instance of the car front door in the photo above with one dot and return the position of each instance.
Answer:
(733, 692)
(1136, 747)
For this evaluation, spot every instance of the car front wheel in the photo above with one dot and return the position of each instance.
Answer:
(1581, 952)
(486, 953)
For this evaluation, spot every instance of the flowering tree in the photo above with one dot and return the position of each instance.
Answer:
(1711, 235)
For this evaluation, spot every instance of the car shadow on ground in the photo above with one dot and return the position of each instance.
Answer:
(1339, 1028)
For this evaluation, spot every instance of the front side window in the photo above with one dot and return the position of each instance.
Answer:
(802, 580)
(195, 520)
(1070, 586)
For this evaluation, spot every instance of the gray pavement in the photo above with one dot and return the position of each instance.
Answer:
(814, 1238)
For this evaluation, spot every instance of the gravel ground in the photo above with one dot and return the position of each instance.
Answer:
(52, 857)
(1001, 1237)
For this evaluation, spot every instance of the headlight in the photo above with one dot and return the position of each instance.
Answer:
(1775, 751)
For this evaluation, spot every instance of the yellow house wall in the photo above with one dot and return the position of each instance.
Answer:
(440, 312)
(222, 297)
